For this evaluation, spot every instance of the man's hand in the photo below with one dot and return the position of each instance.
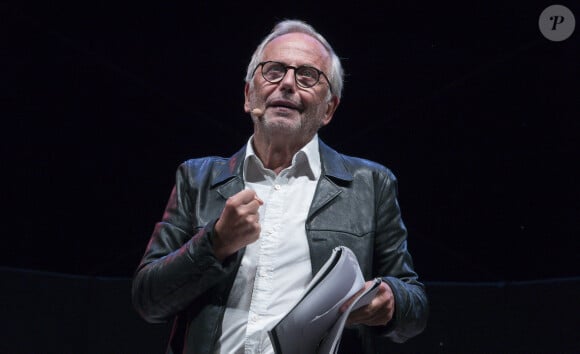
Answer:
(378, 313)
(238, 225)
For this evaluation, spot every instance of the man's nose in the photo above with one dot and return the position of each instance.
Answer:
(289, 81)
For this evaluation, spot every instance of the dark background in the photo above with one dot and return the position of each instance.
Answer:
(471, 107)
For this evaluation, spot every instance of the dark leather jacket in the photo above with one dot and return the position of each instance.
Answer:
(354, 205)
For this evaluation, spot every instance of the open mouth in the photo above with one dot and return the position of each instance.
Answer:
(284, 104)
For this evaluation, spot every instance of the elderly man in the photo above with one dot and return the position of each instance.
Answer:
(241, 237)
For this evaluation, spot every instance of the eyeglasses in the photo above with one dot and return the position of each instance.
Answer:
(305, 76)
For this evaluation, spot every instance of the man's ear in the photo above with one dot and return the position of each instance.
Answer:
(247, 98)
(331, 107)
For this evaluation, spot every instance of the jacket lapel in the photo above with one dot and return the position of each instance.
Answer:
(333, 169)
(229, 179)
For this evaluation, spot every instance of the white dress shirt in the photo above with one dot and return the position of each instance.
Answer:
(276, 268)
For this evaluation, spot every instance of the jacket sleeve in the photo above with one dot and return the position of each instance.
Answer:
(393, 262)
(179, 264)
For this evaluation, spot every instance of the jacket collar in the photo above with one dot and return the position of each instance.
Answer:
(332, 166)
(232, 168)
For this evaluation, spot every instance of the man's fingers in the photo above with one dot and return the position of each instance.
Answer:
(246, 196)
(378, 312)
(361, 314)
(243, 203)
(253, 219)
(351, 300)
(260, 201)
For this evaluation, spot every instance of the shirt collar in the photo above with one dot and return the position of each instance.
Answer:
(306, 161)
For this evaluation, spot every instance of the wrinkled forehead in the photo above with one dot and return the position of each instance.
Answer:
(297, 49)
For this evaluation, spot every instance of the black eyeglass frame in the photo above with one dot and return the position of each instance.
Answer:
(296, 68)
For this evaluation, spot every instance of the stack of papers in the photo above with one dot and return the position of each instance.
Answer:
(315, 324)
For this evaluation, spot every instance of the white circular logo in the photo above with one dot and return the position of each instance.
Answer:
(557, 23)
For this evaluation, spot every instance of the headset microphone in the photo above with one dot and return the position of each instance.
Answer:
(257, 112)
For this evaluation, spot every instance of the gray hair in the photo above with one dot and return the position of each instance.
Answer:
(336, 75)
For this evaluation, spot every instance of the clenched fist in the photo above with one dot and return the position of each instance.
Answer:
(238, 225)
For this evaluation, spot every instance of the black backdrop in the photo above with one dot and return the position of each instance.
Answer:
(469, 105)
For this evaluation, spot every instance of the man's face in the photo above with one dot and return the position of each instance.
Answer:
(288, 109)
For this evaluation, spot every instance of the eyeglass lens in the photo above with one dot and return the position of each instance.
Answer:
(305, 76)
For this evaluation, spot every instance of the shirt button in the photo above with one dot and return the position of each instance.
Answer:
(277, 187)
